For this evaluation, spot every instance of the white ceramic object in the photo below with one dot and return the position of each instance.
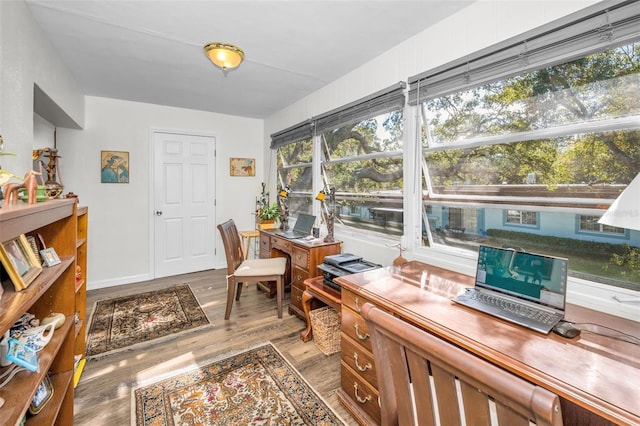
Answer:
(37, 337)
(54, 317)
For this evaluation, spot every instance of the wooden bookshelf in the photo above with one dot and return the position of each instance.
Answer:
(81, 292)
(54, 290)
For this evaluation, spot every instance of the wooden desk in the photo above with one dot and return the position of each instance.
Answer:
(315, 289)
(596, 377)
(304, 258)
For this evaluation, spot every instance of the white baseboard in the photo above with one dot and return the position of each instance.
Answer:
(95, 285)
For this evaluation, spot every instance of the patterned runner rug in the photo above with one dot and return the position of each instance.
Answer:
(128, 322)
(257, 386)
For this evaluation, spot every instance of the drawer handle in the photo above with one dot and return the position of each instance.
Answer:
(358, 366)
(360, 336)
(298, 257)
(299, 298)
(357, 302)
(299, 278)
(360, 400)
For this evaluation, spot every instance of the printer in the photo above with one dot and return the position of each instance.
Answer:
(343, 264)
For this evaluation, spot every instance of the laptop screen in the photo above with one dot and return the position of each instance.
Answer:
(304, 223)
(535, 277)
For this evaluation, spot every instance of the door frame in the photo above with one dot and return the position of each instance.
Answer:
(151, 190)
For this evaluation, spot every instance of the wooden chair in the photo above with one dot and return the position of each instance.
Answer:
(241, 271)
(421, 376)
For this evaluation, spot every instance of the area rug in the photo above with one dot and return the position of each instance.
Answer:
(129, 322)
(257, 386)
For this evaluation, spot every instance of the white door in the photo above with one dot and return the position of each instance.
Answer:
(184, 203)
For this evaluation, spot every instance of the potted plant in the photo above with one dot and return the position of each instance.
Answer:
(267, 215)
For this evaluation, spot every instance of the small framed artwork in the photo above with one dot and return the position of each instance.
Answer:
(114, 167)
(42, 396)
(50, 256)
(34, 246)
(242, 166)
(20, 262)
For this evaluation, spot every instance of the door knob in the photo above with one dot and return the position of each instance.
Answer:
(158, 212)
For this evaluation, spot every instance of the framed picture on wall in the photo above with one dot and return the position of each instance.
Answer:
(242, 166)
(114, 167)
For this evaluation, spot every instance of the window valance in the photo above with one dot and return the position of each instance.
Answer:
(599, 27)
(298, 132)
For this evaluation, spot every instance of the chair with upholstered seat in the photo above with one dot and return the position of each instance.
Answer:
(422, 377)
(241, 271)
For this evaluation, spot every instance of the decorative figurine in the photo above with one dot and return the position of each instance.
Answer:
(31, 184)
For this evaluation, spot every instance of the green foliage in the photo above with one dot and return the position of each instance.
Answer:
(560, 244)
(629, 259)
(596, 87)
(271, 212)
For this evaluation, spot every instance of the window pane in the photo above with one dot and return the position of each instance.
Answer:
(547, 165)
(363, 162)
(525, 161)
(590, 224)
(600, 86)
(294, 170)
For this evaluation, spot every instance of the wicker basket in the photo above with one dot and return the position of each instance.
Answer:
(325, 324)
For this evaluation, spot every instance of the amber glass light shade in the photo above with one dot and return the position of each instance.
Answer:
(224, 56)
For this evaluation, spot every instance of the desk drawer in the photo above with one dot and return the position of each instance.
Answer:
(265, 246)
(298, 276)
(296, 297)
(281, 244)
(359, 359)
(363, 395)
(300, 258)
(352, 301)
(354, 326)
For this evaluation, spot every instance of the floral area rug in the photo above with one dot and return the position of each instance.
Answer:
(257, 386)
(128, 322)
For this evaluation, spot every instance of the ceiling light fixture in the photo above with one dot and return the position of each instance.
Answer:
(224, 56)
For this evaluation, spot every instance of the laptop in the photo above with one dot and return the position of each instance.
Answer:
(301, 229)
(524, 288)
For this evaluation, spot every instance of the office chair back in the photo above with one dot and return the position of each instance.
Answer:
(422, 377)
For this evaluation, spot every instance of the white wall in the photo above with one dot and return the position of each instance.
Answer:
(120, 215)
(27, 58)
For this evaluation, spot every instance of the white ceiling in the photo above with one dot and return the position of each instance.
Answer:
(151, 51)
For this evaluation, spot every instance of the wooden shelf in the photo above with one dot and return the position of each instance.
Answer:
(14, 303)
(49, 413)
(54, 290)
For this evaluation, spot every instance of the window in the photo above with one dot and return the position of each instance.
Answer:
(361, 146)
(590, 224)
(521, 217)
(528, 133)
(294, 157)
(294, 171)
(524, 144)
(363, 161)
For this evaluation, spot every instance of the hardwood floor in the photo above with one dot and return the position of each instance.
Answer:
(103, 395)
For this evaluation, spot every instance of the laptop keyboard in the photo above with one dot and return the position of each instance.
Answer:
(507, 309)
